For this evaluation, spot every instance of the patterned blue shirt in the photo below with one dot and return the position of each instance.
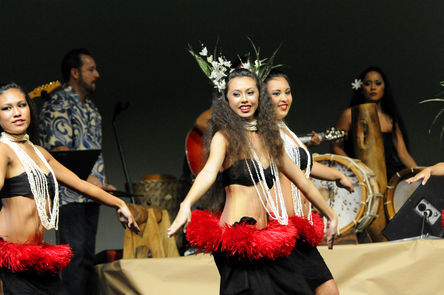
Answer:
(66, 121)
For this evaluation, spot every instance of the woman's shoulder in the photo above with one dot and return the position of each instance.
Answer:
(347, 112)
(220, 136)
(345, 117)
(6, 153)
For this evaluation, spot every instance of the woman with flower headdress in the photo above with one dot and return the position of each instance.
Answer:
(252, 240)
(316, 272)
(372, 86)
(29, 197)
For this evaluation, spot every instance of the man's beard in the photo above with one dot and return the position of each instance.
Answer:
(90, 88)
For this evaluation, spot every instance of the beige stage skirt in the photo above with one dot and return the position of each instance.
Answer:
(407, 267)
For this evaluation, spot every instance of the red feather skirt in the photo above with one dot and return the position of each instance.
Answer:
(42, 258)
(244, 240)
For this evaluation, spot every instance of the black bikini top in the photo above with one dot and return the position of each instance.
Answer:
(19, 186)
(304, 159)
(238, 174)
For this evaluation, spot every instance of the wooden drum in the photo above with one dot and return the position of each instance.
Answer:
(163, 191)
(355, 210)
(159, 190)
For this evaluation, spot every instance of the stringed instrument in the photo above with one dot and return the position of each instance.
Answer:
(44, 89)
(194, 145)
(331, 134)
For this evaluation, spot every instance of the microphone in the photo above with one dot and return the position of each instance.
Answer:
(120, 107)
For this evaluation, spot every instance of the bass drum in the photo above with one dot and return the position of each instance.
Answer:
(355, 210)
(398, 191)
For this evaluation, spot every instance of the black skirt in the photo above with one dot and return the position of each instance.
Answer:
(299, 273)
(31, 282)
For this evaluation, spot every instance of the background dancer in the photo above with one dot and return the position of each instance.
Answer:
(372, 86)
(315, 271)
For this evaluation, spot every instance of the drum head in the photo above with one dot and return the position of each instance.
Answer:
(398, 191)
(350, 207)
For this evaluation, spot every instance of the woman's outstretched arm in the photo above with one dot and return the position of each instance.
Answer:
(435, 170)
(71, 180)
(202, 183)
(320, 171)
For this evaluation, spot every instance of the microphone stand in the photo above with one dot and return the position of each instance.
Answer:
(119, 107)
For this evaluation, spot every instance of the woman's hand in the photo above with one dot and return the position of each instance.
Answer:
(315, 139)
(127, 219)
(182, 219)
(424, 175)
(332, 227)
(344, 182)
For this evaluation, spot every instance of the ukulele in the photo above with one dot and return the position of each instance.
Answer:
(331, 134)
(44, 89)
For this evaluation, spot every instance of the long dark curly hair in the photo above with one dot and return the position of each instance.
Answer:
(388, 104)
(225, 120)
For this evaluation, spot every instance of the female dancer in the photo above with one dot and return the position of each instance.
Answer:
(373, 87)
(252, 249)
(29, 195)
(278, 89)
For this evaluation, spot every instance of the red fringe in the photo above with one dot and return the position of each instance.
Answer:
(40, 258)
(311, 233)
(442, 218)
(246, 241)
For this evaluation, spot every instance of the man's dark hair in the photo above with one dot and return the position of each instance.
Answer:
(72, 60)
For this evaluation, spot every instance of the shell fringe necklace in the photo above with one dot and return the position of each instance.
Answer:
(292, 149)
(37, 180)
(276, 205)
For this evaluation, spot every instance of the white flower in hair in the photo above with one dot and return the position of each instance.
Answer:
(246, 65)
(356, 84)
(204, 52)
(216, 67)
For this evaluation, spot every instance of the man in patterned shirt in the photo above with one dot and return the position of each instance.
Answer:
(70, 121)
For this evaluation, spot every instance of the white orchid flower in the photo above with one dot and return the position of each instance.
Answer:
(204, 52)
(356, 84)
(246, 65)
(210, 59)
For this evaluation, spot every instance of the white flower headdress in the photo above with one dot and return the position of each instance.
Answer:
(216, 68)
(357, 84)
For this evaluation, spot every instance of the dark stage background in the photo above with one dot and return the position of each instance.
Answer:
(139, 47)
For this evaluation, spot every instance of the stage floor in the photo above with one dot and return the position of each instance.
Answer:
(406, 267)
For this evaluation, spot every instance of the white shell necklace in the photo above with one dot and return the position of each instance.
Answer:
(292, 149)
(37, 180)
(277, 204)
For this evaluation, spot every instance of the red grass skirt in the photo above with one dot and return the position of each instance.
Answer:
(245, 241)
(42, 258)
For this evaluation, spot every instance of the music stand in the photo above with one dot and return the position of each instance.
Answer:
(80, 162)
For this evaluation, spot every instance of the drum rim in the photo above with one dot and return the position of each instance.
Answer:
(364, 191)
(391, 186)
